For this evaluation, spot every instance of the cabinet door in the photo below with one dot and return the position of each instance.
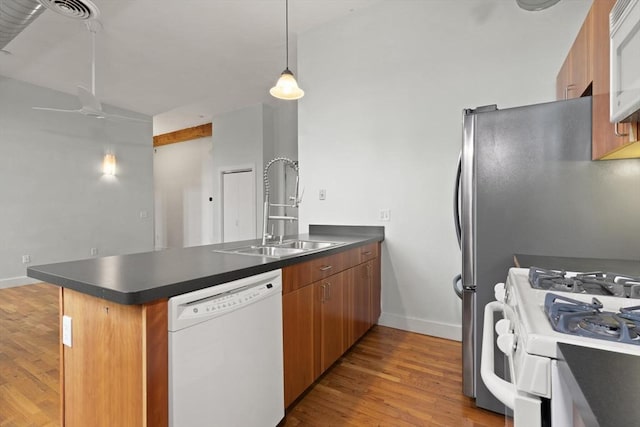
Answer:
(331, 293)
(604, 135)
(576, 73)
(563, 81)
(299, 344)
(376, 291)
(360, 301)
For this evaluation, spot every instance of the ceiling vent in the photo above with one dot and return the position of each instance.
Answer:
(535, 5)
(75, 9)
(15, 15)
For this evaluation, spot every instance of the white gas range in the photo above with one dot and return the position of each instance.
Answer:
(529, 333)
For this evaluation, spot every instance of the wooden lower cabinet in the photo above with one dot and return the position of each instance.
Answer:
(360, 301)
(115, 372)
(332, 293)
(321, 320)
(298, 313)
(376, 291)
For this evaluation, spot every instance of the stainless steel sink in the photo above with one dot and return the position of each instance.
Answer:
(306, 244)
(269, 251)
(281, 250)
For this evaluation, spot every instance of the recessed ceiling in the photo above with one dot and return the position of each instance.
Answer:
(198, 57)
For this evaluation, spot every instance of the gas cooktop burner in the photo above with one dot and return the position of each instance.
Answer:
(594, 283)
(574, 317)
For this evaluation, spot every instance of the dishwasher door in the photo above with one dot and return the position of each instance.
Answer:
(225, 354)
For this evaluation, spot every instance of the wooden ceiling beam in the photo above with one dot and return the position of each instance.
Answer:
(181, 135)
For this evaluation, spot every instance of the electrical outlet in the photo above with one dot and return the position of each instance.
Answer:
(26, 259)
(94, 251)
(322, 194)
(144, 214)
(384, 215)
(66, 331)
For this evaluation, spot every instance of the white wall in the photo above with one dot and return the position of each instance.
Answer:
(183, 182)
(56, 204)
(380, 126)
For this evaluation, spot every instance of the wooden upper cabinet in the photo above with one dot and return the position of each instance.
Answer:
(563, 81)
(604, 138)
(584, 72)
(575, 75)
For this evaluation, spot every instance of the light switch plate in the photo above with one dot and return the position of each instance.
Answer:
(66, 331)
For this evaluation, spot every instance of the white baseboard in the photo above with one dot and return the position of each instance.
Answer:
(421, 326)
(12, 282)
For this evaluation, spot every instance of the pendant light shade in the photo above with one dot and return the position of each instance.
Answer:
(287, 87)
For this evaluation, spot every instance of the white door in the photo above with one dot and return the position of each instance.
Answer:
(238, 205)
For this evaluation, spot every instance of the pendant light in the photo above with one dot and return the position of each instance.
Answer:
(287, 86)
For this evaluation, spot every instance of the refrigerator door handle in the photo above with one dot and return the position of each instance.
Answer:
(456, 202)
(468, 342)
(457, 285)
(467, 202)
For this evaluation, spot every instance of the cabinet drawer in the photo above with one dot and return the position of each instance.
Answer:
(303, 274)
(367, 252)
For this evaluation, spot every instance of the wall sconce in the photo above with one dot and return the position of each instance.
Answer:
(109, 164)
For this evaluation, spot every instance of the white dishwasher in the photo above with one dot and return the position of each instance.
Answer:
(225, 354)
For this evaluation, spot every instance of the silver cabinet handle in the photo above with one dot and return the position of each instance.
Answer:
(326, 268)
(324, 292)
(367, 253)
(615, 130)
(567, 89)
(329, 287)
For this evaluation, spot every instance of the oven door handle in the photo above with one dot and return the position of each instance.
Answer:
(504, 391)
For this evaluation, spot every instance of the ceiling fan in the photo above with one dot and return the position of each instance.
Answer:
(90, 104)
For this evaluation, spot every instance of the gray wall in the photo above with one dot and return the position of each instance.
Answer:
(380, 126)
(56, 204)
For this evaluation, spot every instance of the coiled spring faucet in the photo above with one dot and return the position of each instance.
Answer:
(295, 200)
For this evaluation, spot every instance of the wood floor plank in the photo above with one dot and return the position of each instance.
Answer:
(389, 378)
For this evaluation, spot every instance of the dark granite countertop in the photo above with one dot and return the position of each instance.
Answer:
(631, 267)
(604, 385)
(144, 277)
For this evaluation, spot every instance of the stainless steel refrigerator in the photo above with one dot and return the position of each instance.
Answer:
(526, 184)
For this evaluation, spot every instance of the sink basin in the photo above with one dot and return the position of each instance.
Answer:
(269, 251)
(280, 250)
(306, 244)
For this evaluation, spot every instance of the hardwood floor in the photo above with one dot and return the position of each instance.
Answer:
(29, 361)
(389, 378)
(393, 378)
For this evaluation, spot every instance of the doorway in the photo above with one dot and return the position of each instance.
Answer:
(238, 204)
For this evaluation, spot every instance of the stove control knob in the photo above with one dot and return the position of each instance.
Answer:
(503, 326)
(499, 292)
(507, 344)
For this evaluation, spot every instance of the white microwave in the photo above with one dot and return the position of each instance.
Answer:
(624, 30)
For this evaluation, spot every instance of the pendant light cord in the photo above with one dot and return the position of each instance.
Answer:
(287, 29)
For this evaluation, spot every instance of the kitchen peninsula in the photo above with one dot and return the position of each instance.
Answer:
(115, 372)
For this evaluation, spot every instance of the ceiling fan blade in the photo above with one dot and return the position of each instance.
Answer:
(128, 118)
(60, 110)
(88, 100)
